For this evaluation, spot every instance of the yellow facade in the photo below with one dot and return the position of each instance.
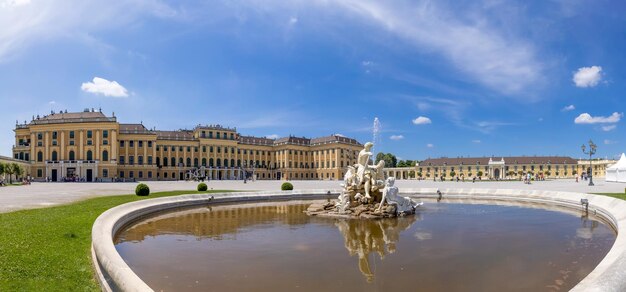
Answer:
(89, 146)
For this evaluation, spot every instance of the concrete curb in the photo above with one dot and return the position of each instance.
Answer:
(115, 275)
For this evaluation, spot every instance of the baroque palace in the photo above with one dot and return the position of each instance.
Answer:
(91, 146)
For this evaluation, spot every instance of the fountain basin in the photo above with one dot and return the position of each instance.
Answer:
(115, 273)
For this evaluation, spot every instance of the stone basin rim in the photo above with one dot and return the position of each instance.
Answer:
(114, 274)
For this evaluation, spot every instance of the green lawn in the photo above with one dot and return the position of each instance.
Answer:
(49, 249)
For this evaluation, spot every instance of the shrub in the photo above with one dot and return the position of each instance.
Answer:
(202, 187)
(142, 190)
(286, 186)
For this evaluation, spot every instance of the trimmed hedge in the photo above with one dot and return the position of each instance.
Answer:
(286, 186)
(142, 190)
(202, 187)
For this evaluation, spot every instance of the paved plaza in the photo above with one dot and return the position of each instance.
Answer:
(40, 195)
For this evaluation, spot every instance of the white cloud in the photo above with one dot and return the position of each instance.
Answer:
(429, 145)
(568, 108)
(586, 118)
(609, 128)
(587, 76)
(396, 137)
(27, 25)
(340, 135)
(104, 87)
(422, 121)
(476, 141)
(293, 20)
(272, 136)
(13, 3)
(609, 142)
(52, 102)
(488, 54)
(540, 120)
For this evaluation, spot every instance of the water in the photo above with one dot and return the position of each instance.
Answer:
(376, 128)
(445, 247)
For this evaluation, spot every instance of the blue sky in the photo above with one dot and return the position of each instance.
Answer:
(445, 78)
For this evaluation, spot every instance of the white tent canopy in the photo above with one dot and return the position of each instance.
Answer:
(617, 171)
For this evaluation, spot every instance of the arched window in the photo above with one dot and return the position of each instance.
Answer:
(203, 161)
(72, 155)
(39, 156)
(180, 161)
(89, 155)
(238, 162)
(54, 156)
(158, 161)
(188, 162)
(218, 162)
(21, 155)
(232, 162)
(105, 155)
(164, 161)
(173, 160)
(210, 162)
(195, 162)
(225, 162)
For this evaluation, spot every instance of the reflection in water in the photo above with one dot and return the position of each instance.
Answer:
(364, 237)
(445, 247)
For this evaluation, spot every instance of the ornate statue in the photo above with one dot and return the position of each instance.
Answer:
(365, 193)
(403, 205)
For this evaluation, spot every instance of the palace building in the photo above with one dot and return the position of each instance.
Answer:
(91, 146)
(511, 167)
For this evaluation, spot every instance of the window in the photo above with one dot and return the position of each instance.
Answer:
(173, 148)
(39, 136)
(105, 155)
(131, 143)
(164, 161)
(54, 142)
(203, 161)
(89, 155)
(204, 149)
(54, 135)
(54, 156)
(195, 162)
(140, 144)
(122, 159)
(105, 142)
(188, 162)
(40, 144)
(180, 148)
(188, 149)
(72, 155)
(149, 174)
(131, 174)
(211, 149)
(131, 159)
(121, 143)
(89, 142)
(39, 156)
(218, 135)
(195, 149)
(140, 160)
(89, 134)
(165, 175)
(39, 172)
(140, 174)
(149, 144)
(173, 162)
(210, 134)
(105, 134)
(105, 173)
(149, 160)
(121, 174)
(71, 134)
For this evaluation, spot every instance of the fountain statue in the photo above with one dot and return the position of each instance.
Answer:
(366, 193)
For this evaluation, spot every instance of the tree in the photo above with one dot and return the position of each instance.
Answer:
(511, 173)
(452, 173)
(2, 169)
(390, 159)
(480, 173)
(8, 169)
(17, 170)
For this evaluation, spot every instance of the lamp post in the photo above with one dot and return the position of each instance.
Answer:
(592, 151)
